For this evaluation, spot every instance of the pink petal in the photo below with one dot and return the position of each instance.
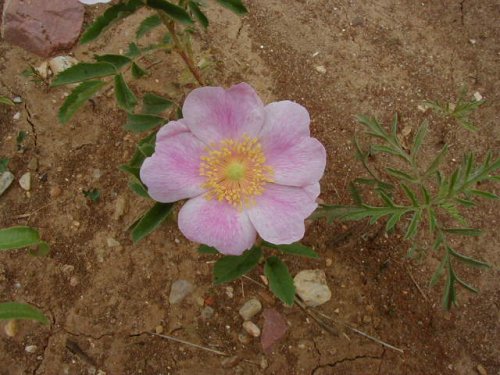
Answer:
(172, 172)
(312, 190)
(170, 129)
(213, 114)
(279, 213)
(298, 164)
(284, 123)
(217, 224)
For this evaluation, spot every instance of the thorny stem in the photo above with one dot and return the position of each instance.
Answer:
(180, 49)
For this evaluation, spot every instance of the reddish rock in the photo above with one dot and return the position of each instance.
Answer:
(44, 27)
(274, 329)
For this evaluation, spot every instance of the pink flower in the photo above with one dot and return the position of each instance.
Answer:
(246, 168)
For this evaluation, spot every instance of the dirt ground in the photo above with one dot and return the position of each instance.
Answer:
(380, 57)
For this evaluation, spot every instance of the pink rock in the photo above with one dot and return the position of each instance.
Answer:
(274, 329)
(44, 27)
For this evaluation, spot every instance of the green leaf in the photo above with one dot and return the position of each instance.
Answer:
(468, 260)
(21, 236)
(137, 71)
(355, 193)
(154, 104)
(400, 174)
(410, 194)
(77, 98)
(200, 16)
(83, 72)
(439, 271)
(18, 237)
(450, 294)
(232, 267)
(151, 220)
(4, 163)
(139, 189)
(111, 15)
(118, 61)
(419, 138)
(133, 50)
(384, 149)
(14, 310)
(436, 162)
(140, 123)
(235, 6)
(147, 149)
(124, 96)
(464, 231)
(280, 281)
(484, 194)
(93, 194)
(294, 249)
(147, 25)
(204, 249)
(174, 11)
(393, 220)
(5, 100)
(413, 226)
(134, 171)
(465, 285)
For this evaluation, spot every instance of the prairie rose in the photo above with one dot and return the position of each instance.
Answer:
(246, 168)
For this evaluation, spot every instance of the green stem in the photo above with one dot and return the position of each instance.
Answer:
(180, 48)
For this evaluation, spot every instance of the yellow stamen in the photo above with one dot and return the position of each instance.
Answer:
(235, 171)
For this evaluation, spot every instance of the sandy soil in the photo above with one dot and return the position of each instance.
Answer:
(380, 57)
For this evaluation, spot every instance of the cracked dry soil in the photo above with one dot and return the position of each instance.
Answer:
(379, 57)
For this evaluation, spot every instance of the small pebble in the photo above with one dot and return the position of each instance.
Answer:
(320, 69)
(112, 242)
(264, 363)
(120, 207)
(25, 181)
(159, 329)
(207, 313)
(55, 191)
(229, 291)
(312, 287)
(6, 179)
(328, 262)
(478, 96)
(73, 281)
(17, 99)
(250, 308)
(67, 268)
(244, 338)
(179, 290)
(16, 116)
(33, 164)
(230, 362)
(31, 348)
(251, 328)
(481, 370)
(10, 328)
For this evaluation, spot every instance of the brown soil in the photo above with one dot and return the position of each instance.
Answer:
(380, 57)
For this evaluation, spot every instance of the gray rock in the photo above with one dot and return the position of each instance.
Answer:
(42, 27)
(6, 179)
(17, 100)
(207, 313)
(312, 287)
(179, 290)
(25, 181)
(251, 308)
(31, 348)
(59, 64)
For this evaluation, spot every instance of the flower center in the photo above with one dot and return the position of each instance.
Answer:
(235, 171)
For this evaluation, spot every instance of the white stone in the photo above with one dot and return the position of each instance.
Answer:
(320, 69)
(179, 290)
(25, 181)
(16, 116)
(251, 328)
(312, 287)
(60, 63)
(43, 70)
(17, 100)
(6, 179)
(478, 96)
(112, 242)
(10, 328)
(250, 308)
(31, 348)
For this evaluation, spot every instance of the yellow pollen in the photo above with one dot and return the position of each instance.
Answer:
(235, 171)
